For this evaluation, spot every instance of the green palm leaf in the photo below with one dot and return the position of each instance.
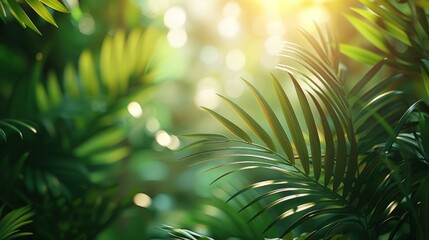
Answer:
(230, 126)
(11, 223)
(39, 6)
(275, 124)
(69, 169)
(253, 124)
(19, 127)
(325, 200)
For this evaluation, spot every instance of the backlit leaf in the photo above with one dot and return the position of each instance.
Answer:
(370, 32)
(42, 11)
(275, 124)
(56, 5)
(20, 15)
(360, 54)
(293, 125)
(236, 130)
(252, 123)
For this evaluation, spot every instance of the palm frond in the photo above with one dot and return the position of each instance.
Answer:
(41, 7)
(69, 169)
(218, 220)
(98, 92)
(396, 30)
(317, 173)
(14, 126)
(183, 234)
(12, 222)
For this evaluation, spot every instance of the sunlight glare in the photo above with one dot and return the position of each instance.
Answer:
(228, 27)
(177, 38)
(135, 109)
(232, 9)
(209, 54)
(152, 125)
(206, 93)
(276, 27)
(142, 200)
(175, 17)
(87, 24)
(174, 143)
(235, 59)
(310, 15)
(157, 6)
(273, 44)
(234, 88)
(163, 138)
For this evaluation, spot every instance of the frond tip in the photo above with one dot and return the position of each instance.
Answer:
(39, 6)
(11, 223)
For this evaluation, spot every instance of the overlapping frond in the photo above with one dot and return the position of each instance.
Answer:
(15, 127)
(68, 167)
(312, 151)
(222, 220)
(98, 92)
(43, 9)
(12, 222)
(396, 30)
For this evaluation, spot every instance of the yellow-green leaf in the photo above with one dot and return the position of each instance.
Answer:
(20, 15)
(372, 34)
(252, 123)
(54, 89)
(119, 60)
(236, 130)
(56, 5)
(274, 122)
(88, 74)
(111, 155)
(71, 85)
(360, 54)
(40, 9)
(42, 100)
(107, 68)
(132, 47)
(104, 140)
(390, 28)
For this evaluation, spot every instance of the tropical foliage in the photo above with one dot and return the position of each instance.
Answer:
(317, 153)
(65, 141)
(11, 222)
(397, 31)
(17, 8)
(349, 159)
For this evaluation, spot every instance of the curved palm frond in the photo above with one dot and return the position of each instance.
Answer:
(12, 222)
(90, 98)
(313, 152)
(70, 170)
(184, 234)
(218, 220)
(16, 9)
(395, 29)
(9, 126)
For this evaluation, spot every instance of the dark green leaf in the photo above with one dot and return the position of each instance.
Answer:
(20, 15)
(293, 125)
(366, 78)
(275, 125)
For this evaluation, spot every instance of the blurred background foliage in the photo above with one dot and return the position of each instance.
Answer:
(91, 110)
